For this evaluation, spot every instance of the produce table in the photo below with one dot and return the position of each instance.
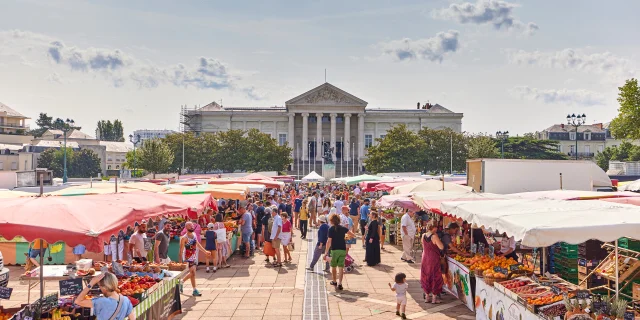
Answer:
(460, 283)
(163, 302)
(50, 273)
(493, 304)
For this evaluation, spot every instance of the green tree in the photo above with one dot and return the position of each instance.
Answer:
(86, 163)
(234, 147)
(531, 148)
(602, 158)
(48, 160)
(264, 153)
(107, 131)
(445, 150)
(154, 156)
(398, 151)
(482, 146)
(192, 151)
(44, 122)
(627, 124)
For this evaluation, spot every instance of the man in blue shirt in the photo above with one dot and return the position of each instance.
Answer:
(323, 235)
(297, 204)
(364, 218)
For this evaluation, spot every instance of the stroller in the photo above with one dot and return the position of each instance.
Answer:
(349, 264)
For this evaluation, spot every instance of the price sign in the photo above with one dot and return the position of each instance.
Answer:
(5, 293)
(582, 262)
(515, 267)
(501, 270)
(583, 294)
(71, 287)
(546, 283)
(474, 248)
(535, 278)
(629, 315)
(118, 270)
(556, 290)
(481, 248)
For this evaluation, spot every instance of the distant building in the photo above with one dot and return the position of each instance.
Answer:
(146, 134)
(13, 126)
(612, 141)
(591, 139)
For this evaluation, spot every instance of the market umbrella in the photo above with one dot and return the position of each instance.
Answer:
(312, 177)
(571, 195)
(429, 185)
(364, 177)
(433, 200)
(390, 185)
(89, 221)
(256, 176)
(266, 183)
(213, 191)
(630, 200)
(67, 192)
(404, 201)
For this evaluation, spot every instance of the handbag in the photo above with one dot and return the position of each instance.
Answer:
(268, 249)
(291, 247)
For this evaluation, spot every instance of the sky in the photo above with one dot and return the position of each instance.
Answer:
(509, 65)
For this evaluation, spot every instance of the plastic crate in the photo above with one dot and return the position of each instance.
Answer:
(630, 244)
(568, 254)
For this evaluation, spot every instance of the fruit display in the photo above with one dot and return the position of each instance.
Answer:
(544, 299)
(554, 310)
(479, 264)
(626, 265)
(492, 274)
(59, 314)
(230, 225)
(129, 286)
(515, 283)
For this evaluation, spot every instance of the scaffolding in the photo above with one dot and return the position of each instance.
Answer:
(190, 119)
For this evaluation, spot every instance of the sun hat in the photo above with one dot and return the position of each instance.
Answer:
(211, 225)
(323, 218)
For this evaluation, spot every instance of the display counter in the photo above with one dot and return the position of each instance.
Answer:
(493, 304)
(460, 283)
(163, 302)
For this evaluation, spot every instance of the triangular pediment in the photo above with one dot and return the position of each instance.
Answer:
(326, 95)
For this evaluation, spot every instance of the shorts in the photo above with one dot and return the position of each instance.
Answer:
(285, 238)
(246, 237)
(401, 300)
(275, 243)
(363, 225)
(34, 253)
(337, 258)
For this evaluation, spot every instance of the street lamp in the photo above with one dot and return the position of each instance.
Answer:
(503, 136)
(135, 142)
(65, 126)
(576, 122)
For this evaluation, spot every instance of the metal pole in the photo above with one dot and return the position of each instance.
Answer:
(616, 254)
(560, 180)
(502, 148)
(41, 183)
(91, 182)
(315, 155)
(451, 155)
(577, 149)
(134, 160)
(116, 184)
(341, 155)
(64, 175)
(182, 170)
(42, 271)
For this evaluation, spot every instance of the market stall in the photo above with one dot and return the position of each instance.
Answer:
(312, 177)
(429, 186)
(542, 223)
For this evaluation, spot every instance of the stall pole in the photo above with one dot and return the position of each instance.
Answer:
(443, 181)
(560, 180)
(543, 267)
(42, 272)
(91, 182)
(41, 183)
(116, 184)
(617, 275)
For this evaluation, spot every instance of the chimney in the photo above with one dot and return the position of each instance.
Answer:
(428, 106)
(418, 105)
(562, 125)
(598, 125)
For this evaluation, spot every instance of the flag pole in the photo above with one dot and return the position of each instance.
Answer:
(341, 155)
(298, 159)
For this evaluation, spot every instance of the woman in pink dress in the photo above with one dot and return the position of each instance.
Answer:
(430, 272)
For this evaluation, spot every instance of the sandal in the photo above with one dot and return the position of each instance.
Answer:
(333, 283)
(436, 301)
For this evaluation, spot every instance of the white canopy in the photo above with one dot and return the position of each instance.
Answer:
(312, 177)
(541, 223)
(571, 195)
(428, 186)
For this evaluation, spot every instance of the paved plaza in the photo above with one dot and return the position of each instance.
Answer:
(251, 290)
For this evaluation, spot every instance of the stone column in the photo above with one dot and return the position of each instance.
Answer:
(346, 146)
(275, 130)
(305, 136)
(290, 135)
(318, 136)
(360, 140)
(333, 135)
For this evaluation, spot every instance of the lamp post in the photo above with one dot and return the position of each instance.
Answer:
(65, 126)
(503, 136)
(135, 142)
(576, 122)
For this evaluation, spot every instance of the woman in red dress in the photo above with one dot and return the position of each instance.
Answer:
(430, 272)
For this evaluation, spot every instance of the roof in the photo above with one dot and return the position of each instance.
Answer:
(326, 92)
(73, 134)
(436, 108)
(568, 128)
(12, 147)
(115, 146)
(55, 144)
(10, 112)
(213, 106)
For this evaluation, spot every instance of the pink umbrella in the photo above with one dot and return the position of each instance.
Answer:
(404, 201)
(388, 186)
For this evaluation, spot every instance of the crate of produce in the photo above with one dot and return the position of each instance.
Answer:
(630, 244)
(570, 254)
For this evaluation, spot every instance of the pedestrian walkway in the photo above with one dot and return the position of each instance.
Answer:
(250, 290)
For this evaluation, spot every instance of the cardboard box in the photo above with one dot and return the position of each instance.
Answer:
(636, 291)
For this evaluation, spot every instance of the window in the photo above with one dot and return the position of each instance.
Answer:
(382, 136)
(108, 167)
(559, 148)
(587, 149)
(282, 139)
(600, 148)
(14, 165)
(118, 167)
(572, 149)
(313, 119)
(572, 136)
(587, 135)
(368, 140)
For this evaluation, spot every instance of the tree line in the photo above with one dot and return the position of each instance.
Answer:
(436, 151)
(226, 151)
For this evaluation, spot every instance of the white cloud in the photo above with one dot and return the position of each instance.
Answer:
(121, 68)
(561, 96)
(55, 77)
(432, 49)
(574, 59)
(494, 12)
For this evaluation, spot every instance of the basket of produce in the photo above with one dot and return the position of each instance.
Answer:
(491, 276)
(174, 266)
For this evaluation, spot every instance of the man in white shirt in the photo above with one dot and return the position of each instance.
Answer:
(136, 244)
(408, 234)
(276, 229)
(357, 191)
(339, 204)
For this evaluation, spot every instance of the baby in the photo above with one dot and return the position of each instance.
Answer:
(400, 288)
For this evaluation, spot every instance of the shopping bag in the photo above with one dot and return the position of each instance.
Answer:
(268, 249)
(291, 247)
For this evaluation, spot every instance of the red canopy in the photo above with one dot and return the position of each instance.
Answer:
(88, 220)
(267, 183)
(630, 200)
(256, 176)
(388, 186)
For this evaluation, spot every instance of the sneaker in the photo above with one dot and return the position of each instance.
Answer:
(214, 269)
(403, 316)
(309, 268)
(333, 283)
(207, 271)
(339, 287)
(196, 293)
(397, 313)
(410, 261)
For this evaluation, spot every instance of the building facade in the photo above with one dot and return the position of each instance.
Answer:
(590, 139)
(324, 118)
(146, 134)
(13, 126)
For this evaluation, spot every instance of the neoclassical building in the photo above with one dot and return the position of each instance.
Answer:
(321, 118)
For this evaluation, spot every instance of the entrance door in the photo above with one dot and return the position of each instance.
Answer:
(339, 147)
(312, 150)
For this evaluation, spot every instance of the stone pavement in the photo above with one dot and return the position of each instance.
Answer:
(250, 290)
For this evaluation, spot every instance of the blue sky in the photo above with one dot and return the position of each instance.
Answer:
(507, 65)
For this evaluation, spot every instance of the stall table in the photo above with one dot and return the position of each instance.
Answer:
(163, 302)
(493, 304)
(460, 283)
